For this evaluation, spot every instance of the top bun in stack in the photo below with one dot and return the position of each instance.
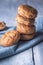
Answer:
(27, 11)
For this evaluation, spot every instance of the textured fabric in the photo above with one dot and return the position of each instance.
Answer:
(21, 45)
(38, 57)
(24, 58)
(39, 24)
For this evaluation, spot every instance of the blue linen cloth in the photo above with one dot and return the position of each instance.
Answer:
(21, 45)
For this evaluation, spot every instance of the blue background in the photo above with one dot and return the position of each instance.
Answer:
(8, 11)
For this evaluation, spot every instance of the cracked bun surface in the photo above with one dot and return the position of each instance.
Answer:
(24, 20)
(24, 29)
(2, 25)
(27, 11)
(10, 38)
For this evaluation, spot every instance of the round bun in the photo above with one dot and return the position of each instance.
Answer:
(24, 20)
(2, 25)
(24, 29)
(10, 38)
(27, 11)
(27, 37)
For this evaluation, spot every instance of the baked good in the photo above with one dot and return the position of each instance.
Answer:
(10, 38)
(24, 29)
(2, 25)
(0, 40)
(27, 11)
(24, 20)
(27, 37)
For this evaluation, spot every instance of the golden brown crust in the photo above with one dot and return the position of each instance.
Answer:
(10, 38)
(27, 11)
(2, 25)
(24, 20)
(27, 37)
(0, 39)
(23, 29)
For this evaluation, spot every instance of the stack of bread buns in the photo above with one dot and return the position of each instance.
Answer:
(25, 29)
(26, 19)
